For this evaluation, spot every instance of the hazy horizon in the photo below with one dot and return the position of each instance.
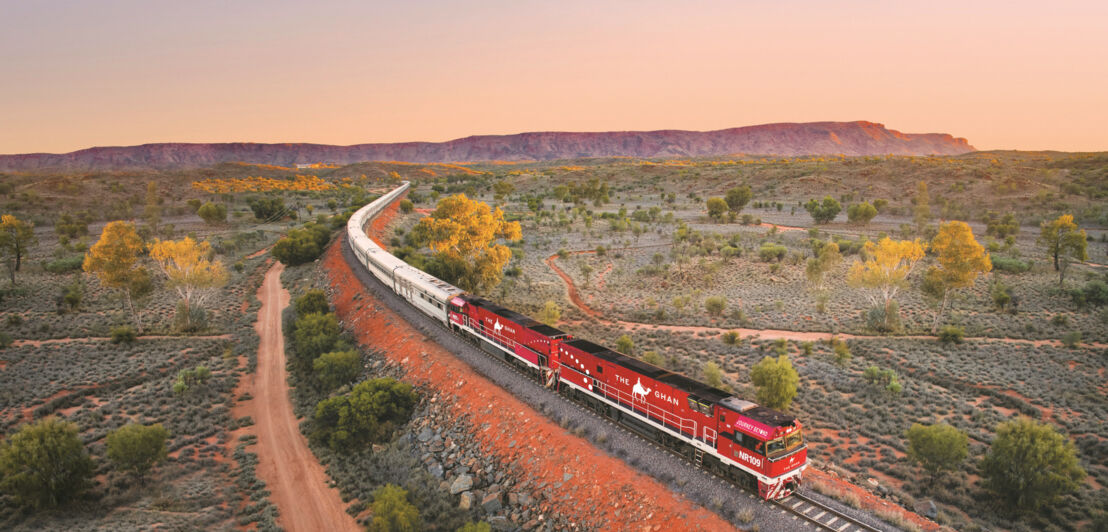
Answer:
(1001, 75)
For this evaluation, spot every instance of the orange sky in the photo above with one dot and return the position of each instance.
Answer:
(1019, 75)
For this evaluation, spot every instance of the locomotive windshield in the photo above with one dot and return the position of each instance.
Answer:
(784, 445)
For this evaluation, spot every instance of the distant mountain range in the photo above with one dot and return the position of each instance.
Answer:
(813, 138)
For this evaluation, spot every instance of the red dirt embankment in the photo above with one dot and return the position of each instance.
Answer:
(299, 485)
(625, 498)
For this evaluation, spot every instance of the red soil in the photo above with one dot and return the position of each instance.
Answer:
(258, 253)
(299, 485)
(782, 228)
(868, 500)
(542, 448)
(39, 343)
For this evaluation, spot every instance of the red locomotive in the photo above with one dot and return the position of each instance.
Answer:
(751, 444)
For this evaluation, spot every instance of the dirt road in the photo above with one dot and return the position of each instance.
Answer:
(297, 481)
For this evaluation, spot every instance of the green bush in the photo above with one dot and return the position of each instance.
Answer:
(392, 512)
(715, 305)
(45, 464)
(1010, 265)
(315, 334)
(313, 301)
(5, 340)
(1071, 339)
(266, 208)
(406, 206)
(124, 334)
(213, 213)
(337, 368)
(189, 320)
(1094, 293)
(952, 334)
(772, 252)
(731, 337)
(137, 448)
(303, 245)
(368, 414)
(64, 265)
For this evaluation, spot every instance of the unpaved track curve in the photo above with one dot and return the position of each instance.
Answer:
(297, 481)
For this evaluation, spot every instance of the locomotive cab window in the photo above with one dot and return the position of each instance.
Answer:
(784, 445)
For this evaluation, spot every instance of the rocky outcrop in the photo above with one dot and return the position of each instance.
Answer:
(813, 138)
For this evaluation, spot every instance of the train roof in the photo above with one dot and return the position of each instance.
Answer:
(548, 331)
(503, 312)
(676, 380)
(770, 417)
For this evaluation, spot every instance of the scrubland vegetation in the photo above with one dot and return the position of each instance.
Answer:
(847, 246)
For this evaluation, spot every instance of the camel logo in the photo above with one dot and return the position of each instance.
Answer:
(497, 327)
(639, 390)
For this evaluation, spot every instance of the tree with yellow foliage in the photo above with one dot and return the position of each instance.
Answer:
(189, 271)
(15, 237)
(1063, 241)
(885, 271)
(114, 259)
(463, 234)
(961, 261)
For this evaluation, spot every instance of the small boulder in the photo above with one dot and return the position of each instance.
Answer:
(460, 484)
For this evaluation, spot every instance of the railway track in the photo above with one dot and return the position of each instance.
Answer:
(821, 515)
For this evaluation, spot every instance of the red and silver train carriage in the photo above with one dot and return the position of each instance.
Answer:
(738, 439)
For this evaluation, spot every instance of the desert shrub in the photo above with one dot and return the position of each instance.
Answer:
(369, 413)
(1071, 339)
(137, 448)
(313, 301)
(1029, 464)
(406, 206)
(860, 213)
(1010, 265)
(841, 352)
(69, 299)
(212, 213)
(64, 265)
(775, 381)
(1003, 299)
(476, 527)
(877, 321)
(5, 340)
(715, 305)
(267, 208)
(314, 334)
(337, 368)
(124, 334)
(190, 379)
(190, 319)
(624, 344)
(731, 337)
(550, 314)
(1059, 320)
(303, 245)
(952, 334)
(713, 375)
(772, 252)
(45, 464)
(825, 211)
(937, 448)
(392, 512)
(652, 357)
(880, 378)
(1093, 293)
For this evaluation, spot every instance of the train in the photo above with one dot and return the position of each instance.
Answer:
(757, 447)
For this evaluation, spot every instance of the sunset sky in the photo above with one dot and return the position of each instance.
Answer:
(1005, 75)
